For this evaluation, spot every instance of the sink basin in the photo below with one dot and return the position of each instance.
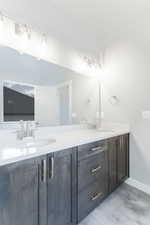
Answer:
(37, 142)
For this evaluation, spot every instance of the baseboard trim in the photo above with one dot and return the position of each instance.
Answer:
(143, 187)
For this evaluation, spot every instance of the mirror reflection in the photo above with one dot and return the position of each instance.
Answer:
(18, 101)
(47, 93)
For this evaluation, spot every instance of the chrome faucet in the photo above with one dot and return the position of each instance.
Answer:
(27, 129)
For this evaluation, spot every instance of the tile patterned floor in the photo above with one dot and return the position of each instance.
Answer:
(126, 206)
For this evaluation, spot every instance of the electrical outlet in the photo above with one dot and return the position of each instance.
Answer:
(146, 115)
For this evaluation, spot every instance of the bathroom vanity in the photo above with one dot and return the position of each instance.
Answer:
(61, 187)
(56, 174)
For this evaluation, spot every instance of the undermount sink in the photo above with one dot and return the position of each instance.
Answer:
(37, 142)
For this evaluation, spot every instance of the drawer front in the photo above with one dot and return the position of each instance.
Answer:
(92, 169)
(91, 149)
(90, 198)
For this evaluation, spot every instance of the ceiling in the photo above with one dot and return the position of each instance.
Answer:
(87, 25)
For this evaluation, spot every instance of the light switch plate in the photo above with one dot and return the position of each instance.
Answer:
(146, 115)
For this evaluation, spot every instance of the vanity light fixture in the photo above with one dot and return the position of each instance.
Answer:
(17, 27)
(22, 37)
(42, 45)
(43, 39)
(91, 61)
(27, 30)
(23, 29)
(95, 61)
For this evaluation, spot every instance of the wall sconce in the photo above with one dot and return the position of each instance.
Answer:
(22, 29)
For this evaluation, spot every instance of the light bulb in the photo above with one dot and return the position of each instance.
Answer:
(42, 47)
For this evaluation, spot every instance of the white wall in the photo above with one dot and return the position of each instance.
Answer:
(126, 75)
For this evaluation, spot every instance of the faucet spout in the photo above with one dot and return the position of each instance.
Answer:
(27, 129)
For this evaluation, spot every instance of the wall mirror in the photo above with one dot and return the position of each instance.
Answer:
(32, 89)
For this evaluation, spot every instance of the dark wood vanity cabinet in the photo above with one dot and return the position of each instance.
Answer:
(63, 187)
(102, 167)
(19, 193)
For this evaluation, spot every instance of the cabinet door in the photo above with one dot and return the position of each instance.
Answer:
(123, 158)
(19, 193)
(43, 191)
(60, 188)
(112, 155)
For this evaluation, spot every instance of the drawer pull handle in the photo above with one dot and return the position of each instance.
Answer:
(95, 197)
(98, 149)
(96, 169)
(44, 171)
(51, 167)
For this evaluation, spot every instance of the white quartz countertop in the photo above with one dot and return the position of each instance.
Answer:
(13, 150)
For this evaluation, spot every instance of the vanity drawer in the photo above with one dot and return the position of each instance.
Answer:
(92, 169)
(91, 149)
(90, 198)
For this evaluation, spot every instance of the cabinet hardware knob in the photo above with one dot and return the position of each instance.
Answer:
(95, 197)
(96, 169)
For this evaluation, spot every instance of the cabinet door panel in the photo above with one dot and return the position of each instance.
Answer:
(112, 146)
(19, 193)
(60, 189)
(123, 158)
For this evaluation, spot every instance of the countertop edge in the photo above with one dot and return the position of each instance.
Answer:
(45, 152)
